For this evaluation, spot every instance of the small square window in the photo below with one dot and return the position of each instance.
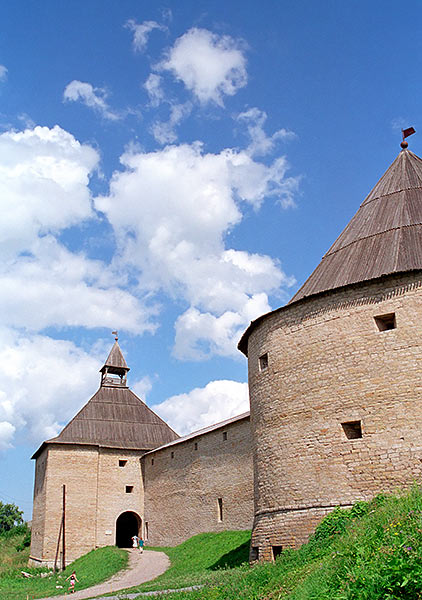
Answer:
(352, 429)
(122, 463)
(129, 489)
(224, 435)
(263, 362)
(196, 446)
(172, 455)
(386, 322)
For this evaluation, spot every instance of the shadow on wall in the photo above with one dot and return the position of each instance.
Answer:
(234, 558)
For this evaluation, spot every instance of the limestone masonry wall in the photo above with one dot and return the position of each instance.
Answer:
(95, 497)
(38, 511)
(328, 364)
(113, 499)
(184, 482)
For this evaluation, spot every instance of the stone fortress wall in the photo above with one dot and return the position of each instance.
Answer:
(200, 483)
(95, 497)
(336, 404)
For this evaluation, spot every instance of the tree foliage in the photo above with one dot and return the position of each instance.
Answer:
(10, 517)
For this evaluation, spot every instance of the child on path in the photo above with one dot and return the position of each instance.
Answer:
(135, 541)
(72, 582)
(141, 544)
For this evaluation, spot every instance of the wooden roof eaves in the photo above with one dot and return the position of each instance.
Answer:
(56, 442)
(203, 431)
(243, 342)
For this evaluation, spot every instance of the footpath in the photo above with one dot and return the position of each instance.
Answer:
(142, 567)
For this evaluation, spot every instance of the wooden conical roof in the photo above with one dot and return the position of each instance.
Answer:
(383, 238)
(115, 360)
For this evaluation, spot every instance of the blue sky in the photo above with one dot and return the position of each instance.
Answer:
(173, 170)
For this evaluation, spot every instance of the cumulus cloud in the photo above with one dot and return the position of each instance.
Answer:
(44, 176)
(43, 383)
(209, 65)
(141, 32)
(261, 143)
(3, 72)
(201, 407)
(171, 211)
(165, 131)
(94, 98)
(7, 431)
(200, 335)
(142, 387)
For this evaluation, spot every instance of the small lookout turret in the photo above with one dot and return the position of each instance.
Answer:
(114, 372)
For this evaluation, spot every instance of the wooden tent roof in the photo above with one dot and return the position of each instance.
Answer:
(115, 359)
(115, 418)
(383, 238)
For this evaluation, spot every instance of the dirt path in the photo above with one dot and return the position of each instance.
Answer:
(141, 568)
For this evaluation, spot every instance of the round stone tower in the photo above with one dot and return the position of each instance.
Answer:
(335, 375)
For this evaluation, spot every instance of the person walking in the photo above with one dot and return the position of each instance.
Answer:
(72, 580)
(135, 541)
(141, 544)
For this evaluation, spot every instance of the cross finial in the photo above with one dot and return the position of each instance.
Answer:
(116, 335)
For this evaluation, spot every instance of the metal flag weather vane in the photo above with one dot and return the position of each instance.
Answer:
(405, 134)
(115, 334)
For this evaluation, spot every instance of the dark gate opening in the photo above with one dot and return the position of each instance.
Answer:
(127, 525)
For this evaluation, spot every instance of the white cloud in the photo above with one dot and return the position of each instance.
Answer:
(7, 431)
(209, 65)
(43, 383)
(171, 211)
(92, 97)
(142, 387)
(164, 131)
(261, 143)
(3, 73)
(200, 335)
(141, 32)
(44, 176)
(154, 89)
(201, 407)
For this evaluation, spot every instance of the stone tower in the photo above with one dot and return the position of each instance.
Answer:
(97, 458)
(334, 376)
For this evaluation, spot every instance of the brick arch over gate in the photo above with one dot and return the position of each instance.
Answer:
(128, 524)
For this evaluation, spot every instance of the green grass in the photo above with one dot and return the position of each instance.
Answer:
(370, 552)
(201, 559)
(10, 558)
(92, 568)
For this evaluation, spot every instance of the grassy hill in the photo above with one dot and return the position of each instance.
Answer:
(370, 552)
(93, 568)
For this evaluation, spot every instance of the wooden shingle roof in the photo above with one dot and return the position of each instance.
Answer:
(115, 418)
(384, 236)
(115, 359)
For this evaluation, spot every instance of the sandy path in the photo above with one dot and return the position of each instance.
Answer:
(141, 568)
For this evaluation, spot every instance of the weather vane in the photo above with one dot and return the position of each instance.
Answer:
(115, 334)
(405, 133)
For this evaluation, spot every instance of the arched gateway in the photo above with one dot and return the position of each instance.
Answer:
(128, 524)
